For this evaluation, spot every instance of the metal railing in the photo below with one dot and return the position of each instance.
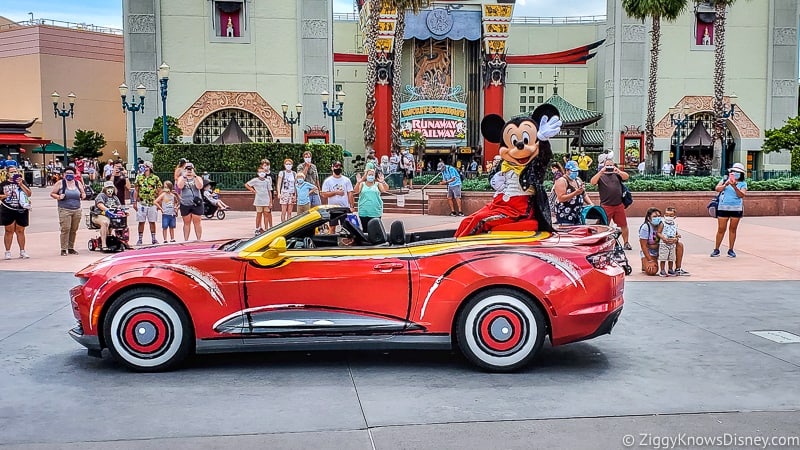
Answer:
(424, 198)
(62, 24)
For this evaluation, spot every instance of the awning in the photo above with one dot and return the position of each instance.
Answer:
(233, 134)
(52, 148)
(590, 138)
(21, 139)
(699, 137)
(346, 153)
(443, 24)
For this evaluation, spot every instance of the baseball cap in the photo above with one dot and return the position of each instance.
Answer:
(571, 166)
(108, 184)
(336, 165)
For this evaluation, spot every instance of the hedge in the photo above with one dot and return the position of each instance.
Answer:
(242, 157)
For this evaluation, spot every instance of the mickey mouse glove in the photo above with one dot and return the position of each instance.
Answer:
(548, 128)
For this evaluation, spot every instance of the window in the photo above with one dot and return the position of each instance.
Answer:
(522, 109)
(540, 89)
(540, 99)
(703, 31)
(338, 88)
(531, 99)
(229, 21)
(522, 99)
(212, 126)
(522, 89)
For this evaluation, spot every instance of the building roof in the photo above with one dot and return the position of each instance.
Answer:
(699, 137)
(571, 115)
(589, 138)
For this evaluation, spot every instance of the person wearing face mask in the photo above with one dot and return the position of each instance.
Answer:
(584, 162)
(104, 204)
(69, 194)
(668, 242)
(571, 196)
(191, 187)
(287, 193)
(337, 189)
(167, 203)
(14, 210)
(609, 186)
(369, 190)
(407, 163)
(309, 169)
(267, 168)
(305, 191)
(730, 210)
(261, 186)
(648, 241)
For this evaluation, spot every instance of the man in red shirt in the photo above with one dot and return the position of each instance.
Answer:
(679, 168)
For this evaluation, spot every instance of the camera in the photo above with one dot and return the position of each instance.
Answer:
(610, 168)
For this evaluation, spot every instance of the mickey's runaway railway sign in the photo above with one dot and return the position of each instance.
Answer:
(443, 123)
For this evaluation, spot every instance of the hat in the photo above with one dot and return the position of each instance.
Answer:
(148, 164)
(189, 165)
(497, 157)
(336, 165)
(738, 167)
(109, 184)
(571, 166)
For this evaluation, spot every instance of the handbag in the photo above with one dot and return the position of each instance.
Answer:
(627, 198)
(712, 206)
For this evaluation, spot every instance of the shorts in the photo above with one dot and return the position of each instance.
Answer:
(168, 221)
(101, 220)
(146, 213)
(262, 209)
(653, 252)
(666, 252)
(303, 208)
(454, 191)
(729, 213)
(408, 174)
(10, 216)
(191, 209)
(286, 198)
(617, 214)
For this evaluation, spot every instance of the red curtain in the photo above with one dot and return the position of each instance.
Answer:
(223, 23)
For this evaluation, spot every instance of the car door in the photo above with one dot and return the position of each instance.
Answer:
(330, 291)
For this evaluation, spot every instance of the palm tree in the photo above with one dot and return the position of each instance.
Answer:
(397, 83)
(720, 7)
(657, 10)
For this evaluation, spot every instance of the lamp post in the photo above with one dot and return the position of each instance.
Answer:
(333, 113)
(163, 75)
(134, 108)
(64, 112)
(291, 119)
(680, 119)
(725, 115)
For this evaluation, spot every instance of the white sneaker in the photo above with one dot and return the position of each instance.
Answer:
(24, 255)
(8, 255)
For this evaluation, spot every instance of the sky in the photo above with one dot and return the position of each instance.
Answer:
(108, 13)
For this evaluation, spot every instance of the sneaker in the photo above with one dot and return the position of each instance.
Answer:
(155, 242)
(23, 254)
(453, 213)
(63, 253)
(715, 253)
(662, 274)
(72, 251)
(681, 273)
(139, 242)
(172, 240)
(461, 214)
(731, 254)
(672, 273)
(628, 246)
(8, 255)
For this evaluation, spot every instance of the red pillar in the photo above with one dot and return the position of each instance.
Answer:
(492, 104)
(383, 120)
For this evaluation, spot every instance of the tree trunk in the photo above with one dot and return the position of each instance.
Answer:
(372, 74)
(397, 78)
(652, 91)
(719, 87)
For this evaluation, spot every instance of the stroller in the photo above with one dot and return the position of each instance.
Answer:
(209, 209)
(118, 234)
(597, 215)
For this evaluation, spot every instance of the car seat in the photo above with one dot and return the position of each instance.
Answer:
(397, 233)
(376, 234)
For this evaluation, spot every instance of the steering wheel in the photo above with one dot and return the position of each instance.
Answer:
(308, 243)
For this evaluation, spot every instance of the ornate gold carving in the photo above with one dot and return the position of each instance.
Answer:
(745, 127)
(212, 101)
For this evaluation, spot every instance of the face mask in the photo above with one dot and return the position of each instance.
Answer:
(669, 220)
(261, 174)
(307, 160)
(370, 178)
(300, 181)
(573, 175)
(656, 220)
(288, 166)
(69, 177)
(738, 176)
(266, 168)
(337, 171)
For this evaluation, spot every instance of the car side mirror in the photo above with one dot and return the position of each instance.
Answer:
(276, 248)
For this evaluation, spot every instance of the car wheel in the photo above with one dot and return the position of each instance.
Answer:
(147, 330)
(220, 214)
(500, 330)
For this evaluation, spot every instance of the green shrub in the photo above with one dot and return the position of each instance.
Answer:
(242, 157)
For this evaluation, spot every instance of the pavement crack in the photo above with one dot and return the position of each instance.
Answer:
(33, 323)
(717, 334)
(360, 406)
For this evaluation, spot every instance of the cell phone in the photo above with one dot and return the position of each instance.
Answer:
(732, 177)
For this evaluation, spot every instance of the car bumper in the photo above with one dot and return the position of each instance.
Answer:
(606, 326)
(88, 341)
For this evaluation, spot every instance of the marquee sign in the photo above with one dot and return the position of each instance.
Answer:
(442, 122)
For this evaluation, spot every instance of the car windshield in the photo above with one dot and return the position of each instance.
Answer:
(235, 246)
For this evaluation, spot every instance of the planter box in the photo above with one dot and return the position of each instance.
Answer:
(689, 204)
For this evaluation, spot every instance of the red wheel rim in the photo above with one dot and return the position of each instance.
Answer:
(145, 332)
(501, 329)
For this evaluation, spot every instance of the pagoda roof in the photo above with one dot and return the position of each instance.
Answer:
(573, 116)
(589, 138)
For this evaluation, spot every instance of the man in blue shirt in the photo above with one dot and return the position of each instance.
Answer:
(10, 162)
(452, 179)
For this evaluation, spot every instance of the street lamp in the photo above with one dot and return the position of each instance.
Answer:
(291, 119)
(727, 113)
(64, 112)
(332, 113)
(680, 120)
(163, 75)
(134, 108)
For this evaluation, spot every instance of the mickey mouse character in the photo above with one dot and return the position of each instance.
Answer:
(525, 150)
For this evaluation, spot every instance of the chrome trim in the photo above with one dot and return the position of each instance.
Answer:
(384, 342)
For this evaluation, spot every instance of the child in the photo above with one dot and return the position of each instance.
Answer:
(213, 198)
(261, 186)
(166, 203)
(304, 191)
(667, 229)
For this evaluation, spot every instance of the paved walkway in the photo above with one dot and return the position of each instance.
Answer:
(768, 248)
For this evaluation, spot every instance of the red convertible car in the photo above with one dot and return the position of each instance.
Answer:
(493, 296)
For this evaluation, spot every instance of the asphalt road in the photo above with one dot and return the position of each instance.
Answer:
(680, 365)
